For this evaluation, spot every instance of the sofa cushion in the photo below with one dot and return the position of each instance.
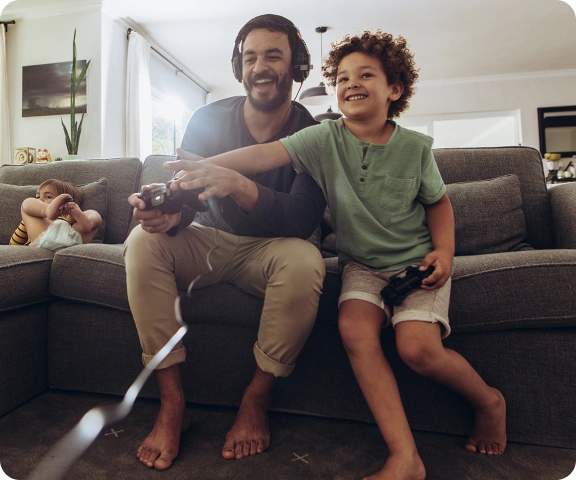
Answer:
(13, 196)
(472, 164)
(123, 176)
(503, 291)
(24, 274)
(488, 216)
(92, 273)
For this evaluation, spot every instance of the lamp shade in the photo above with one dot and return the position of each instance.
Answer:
(316, 96)
(328, 115)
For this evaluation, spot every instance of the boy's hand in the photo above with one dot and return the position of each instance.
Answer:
(441, 260)
(217, 181)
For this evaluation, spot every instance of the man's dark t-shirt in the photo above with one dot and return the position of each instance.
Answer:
(289, 204)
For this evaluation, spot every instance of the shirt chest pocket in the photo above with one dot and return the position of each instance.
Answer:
(397, 193)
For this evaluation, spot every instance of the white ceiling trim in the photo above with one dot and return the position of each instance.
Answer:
(127, 23)
(51, 10)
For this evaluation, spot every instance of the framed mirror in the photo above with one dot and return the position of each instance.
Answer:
(557, 127)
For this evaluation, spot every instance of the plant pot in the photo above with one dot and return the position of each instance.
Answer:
(70, 157)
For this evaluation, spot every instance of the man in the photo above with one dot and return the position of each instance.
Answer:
(254, 217)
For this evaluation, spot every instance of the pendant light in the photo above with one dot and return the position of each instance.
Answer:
(327, 115)
(317, 95)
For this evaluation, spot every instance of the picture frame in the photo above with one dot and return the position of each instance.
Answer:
(46, 89)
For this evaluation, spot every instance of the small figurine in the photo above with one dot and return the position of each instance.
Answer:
(42, 156)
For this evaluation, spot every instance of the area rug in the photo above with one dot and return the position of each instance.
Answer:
(303, 447)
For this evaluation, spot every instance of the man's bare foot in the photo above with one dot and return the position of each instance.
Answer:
(160, 448)
(489, 432)
(401, 467)
(250, 433)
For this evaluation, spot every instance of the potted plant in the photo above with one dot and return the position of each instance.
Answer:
(73, 139)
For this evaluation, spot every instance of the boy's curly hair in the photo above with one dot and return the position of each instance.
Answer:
(64, 187)
(397, 62)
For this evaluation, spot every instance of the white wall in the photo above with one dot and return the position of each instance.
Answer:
(40, 41)
(524, 92)
(113, 88)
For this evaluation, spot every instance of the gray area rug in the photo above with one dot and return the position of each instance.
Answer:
(303, 447)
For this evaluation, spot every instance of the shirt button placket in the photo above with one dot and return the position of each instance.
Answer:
(361, 188)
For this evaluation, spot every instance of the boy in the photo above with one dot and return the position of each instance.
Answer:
(54, 220)
(390, 210)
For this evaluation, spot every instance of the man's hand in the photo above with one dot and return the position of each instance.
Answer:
(441, 260)
(153, 221)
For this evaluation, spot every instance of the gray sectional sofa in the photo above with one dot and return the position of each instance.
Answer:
(65, 322)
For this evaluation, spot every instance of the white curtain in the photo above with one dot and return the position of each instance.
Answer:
(138, 99)
(5, 149)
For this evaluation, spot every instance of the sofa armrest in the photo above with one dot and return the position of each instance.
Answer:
(563, 203)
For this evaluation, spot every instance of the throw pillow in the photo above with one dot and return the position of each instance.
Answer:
(13, 196)
(488, 216)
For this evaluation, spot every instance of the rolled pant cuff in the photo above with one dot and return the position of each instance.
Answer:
(174, 357)
(269, 365)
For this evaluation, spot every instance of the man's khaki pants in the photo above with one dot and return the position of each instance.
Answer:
(287, 272)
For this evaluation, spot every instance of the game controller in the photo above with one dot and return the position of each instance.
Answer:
(171, 201)
(395, 292)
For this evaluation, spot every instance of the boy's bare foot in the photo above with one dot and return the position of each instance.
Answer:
(401, 467)
(489, 432)
(250, 433)
(160, 448)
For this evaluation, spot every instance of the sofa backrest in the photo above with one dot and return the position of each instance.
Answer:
(123, 175)
(473, 164)
(153, 172)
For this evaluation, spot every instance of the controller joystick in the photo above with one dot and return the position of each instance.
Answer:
(170, 201)
(395, 292)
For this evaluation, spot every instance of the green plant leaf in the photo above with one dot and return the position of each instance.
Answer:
(73, 140)
(67, 137)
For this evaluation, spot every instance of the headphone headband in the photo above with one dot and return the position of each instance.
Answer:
(301, 64)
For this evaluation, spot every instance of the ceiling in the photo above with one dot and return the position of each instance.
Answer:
(450, 38)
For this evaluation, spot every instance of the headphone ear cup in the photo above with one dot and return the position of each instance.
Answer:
(301, 58)
(237, 65)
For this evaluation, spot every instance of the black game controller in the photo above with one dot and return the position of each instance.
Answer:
(395, 292)
(170, 201)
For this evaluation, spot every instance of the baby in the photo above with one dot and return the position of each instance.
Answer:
(54, 220)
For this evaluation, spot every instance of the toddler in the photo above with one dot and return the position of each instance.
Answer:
(54, 220)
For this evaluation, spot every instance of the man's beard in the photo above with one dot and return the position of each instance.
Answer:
(269, 104)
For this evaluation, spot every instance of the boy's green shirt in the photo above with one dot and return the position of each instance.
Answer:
(375, 192)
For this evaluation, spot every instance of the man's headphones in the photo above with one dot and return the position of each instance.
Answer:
(301, 65)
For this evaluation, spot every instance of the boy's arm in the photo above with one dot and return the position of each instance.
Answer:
(440, 219)
(247, 161)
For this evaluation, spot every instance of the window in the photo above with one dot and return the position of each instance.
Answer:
(169, 119)
(483, 129)
(174, 99)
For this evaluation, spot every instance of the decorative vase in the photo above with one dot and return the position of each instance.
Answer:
(70, 157)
